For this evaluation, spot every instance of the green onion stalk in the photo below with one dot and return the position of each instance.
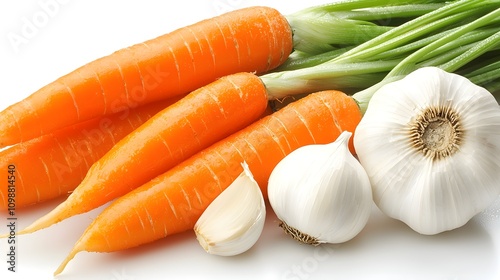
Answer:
(461, 36)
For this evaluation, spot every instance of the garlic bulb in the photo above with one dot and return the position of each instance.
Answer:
(321, 193)
(431, 146)
(233, 222)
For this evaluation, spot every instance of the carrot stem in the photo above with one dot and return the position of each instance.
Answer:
(433, 39)
(409, 64)
(402, 68)
(351, 22)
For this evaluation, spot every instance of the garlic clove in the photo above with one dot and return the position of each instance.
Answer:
(321, 193)
(431, 146)
(234, 221)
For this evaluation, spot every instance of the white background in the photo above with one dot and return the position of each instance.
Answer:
(76, 32)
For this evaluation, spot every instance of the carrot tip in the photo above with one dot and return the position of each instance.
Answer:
(65, 262)
(51, 218)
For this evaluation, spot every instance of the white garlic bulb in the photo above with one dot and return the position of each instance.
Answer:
(234, 221)
(321, 193)
(431, 146)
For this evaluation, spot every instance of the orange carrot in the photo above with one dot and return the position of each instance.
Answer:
(173, 201)
(54, 164)
(254, 39)
(193, 123)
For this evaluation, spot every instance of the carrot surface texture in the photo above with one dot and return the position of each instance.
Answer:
(173, 201)
(193, 123)
(254, 39)
(54, 164)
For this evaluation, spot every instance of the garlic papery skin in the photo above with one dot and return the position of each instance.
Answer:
(430, 144)
(321, 193)
(234, 221)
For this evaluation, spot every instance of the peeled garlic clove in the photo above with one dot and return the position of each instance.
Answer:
(431, 146)
(321, 193)
(233, 222)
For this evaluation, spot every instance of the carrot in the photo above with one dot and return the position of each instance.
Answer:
(54, 164)
(254, 39)
(173, 201)
(193, 123)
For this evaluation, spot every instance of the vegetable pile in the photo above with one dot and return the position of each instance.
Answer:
(391, 103)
